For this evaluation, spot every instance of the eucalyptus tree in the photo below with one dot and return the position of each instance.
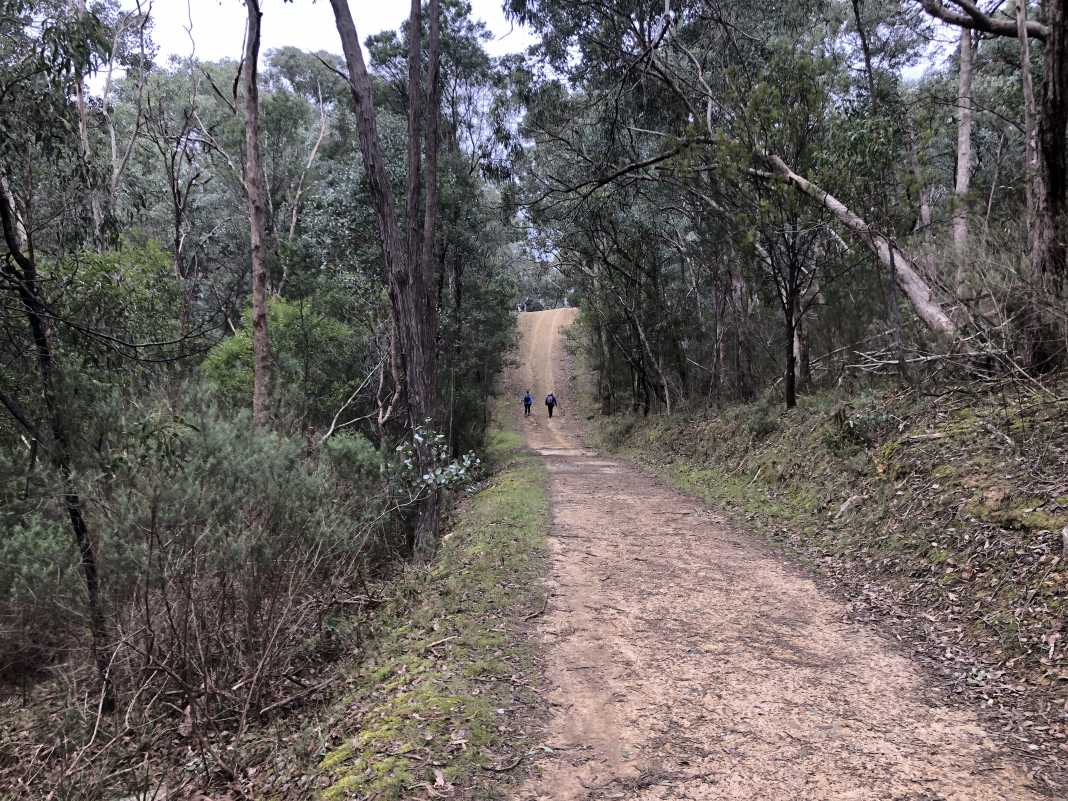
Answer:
(726, 122)
(411, 265)
(257, 214)
(1049, 196)
(142, 515)
(300, 106)
(45, 53)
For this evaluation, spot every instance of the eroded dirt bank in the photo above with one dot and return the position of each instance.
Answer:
(685, 661)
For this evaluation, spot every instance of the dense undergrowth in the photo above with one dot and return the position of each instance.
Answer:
(942, 515)
(385, 680)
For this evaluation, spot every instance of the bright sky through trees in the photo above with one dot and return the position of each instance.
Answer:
(218, 25)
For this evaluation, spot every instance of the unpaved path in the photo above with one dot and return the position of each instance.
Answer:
(685, 661)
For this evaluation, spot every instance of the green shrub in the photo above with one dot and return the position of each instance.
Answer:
(353, 457)
(314, 358)
(221, 547)
(761, 420)
(38, 577)
(865, 421)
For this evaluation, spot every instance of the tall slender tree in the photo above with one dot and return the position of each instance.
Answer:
(964, 156)
(410, 260)
(20, 270)
(257, 215)
(1049, 229)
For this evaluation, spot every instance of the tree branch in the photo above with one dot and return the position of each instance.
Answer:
(20, 415)
(976, 20)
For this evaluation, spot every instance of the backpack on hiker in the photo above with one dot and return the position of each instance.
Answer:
(551, 403)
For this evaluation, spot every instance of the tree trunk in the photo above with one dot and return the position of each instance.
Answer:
(432, 209)
(649, 352)
(1031, 188)
(257, 215)
(411, 303)
(964, 157)
(84, 150)
(789, 375)
(894, 310)
(922, 191)
(23, 274)
(802, 363)
(994, 186)
(905, 273)
(604, 389)
(428, 523)
(867, 52)
(1048, 245)
(298, 194)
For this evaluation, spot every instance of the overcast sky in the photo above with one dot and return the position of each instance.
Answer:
(219, 25)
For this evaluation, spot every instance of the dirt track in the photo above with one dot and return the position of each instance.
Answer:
(685, 661)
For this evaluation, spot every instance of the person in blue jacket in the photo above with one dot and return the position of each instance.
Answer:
(528, 401)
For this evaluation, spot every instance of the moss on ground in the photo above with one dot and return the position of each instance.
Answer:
(434, 701)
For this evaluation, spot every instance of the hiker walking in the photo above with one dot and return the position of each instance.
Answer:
(551, 403)
(528, 401)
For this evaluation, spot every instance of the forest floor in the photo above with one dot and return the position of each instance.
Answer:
(686, 659)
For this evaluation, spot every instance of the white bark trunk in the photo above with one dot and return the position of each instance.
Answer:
(1031, 189)
(83, 144)
(21, 237)
(964, 156)
(905, 273)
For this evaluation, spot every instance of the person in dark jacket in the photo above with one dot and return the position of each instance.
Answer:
(551, 403)
(528, 401)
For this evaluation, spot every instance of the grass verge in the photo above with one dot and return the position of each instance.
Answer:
(441, 703)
